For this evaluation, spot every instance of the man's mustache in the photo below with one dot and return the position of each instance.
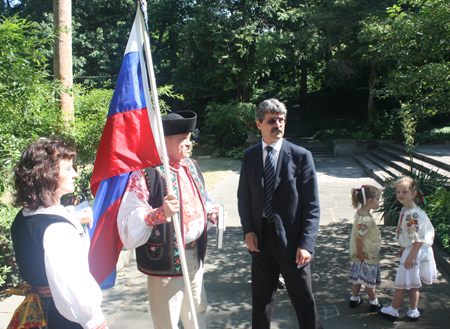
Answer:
(274, 129)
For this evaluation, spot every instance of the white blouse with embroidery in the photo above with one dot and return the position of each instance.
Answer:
(76, 294)
(136, 217)
(414, 226)
(133, 210)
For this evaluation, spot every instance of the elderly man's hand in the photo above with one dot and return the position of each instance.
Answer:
(171, 205)
(214, 213)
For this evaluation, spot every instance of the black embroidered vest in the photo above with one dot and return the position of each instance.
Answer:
(160, 255)
(27, 233)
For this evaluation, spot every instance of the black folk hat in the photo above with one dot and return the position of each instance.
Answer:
(181, 122)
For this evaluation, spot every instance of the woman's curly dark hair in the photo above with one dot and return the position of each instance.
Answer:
(36, 176)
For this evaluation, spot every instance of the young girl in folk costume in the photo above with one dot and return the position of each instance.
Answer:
(415, 235)
(365, 245)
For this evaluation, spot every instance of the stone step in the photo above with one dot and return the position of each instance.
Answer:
(422, 161)
(391, 162)
(320, 152)
(400, 168)
(391, 168)
(373, 170)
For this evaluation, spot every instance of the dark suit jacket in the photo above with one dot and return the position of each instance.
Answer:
(295, 201)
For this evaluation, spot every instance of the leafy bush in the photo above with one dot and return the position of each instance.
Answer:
(28, 98)
(237, 153)
(227, 122)
(439, 212)
(428, 182)
(8, 267)
(434, 135)
(363, 134)
(10, 151)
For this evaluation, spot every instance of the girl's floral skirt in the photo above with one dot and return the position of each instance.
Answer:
(365, 274)
(424, 269)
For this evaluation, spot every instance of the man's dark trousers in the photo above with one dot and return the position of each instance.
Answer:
(266, 267)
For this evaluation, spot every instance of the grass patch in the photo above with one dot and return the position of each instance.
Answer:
(214, 169)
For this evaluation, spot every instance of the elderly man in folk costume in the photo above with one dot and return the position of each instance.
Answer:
(144, 223)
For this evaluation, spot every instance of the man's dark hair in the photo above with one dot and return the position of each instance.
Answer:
(269, 106)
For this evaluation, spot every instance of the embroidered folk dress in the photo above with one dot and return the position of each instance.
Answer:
(74, 291)
(137, 218)
(368, 271)
(140, 224)
(415, 226)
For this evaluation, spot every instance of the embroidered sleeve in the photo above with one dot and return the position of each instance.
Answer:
(363, 226)
(412, 226)
(131, 223)
(136, 184)
(155, 217)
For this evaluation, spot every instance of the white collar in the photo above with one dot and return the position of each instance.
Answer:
(59, 210)
(276, 146)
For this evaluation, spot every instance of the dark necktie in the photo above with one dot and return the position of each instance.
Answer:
(269, 180)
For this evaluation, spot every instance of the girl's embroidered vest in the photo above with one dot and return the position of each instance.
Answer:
(27, 234)
(160, 255)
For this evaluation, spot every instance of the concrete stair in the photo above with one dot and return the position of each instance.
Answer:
(392, 160)
(316, 148)
(320, 152)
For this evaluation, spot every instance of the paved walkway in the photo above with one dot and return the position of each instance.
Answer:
(228, 280)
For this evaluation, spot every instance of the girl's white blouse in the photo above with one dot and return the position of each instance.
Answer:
(414, 226)
(76, 294)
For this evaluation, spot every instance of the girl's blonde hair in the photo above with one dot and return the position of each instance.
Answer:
(370, 192)
(411, 184)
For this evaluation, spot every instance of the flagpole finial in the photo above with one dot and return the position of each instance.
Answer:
(143, 6)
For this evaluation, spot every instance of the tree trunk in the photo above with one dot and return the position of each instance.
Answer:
(303, 101)
(246, 96)
(62, 54)
(303, 78)
(239, 93)
(371, 104)
(160, 37)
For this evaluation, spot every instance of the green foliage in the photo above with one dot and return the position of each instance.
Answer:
(165, 92)
(434, 135)
(91, 111)
(8, 267)
(362, 134)
(439, 212)
(227, 122)
(410, 45)
(237, 153)
(10, 151)
(428, 182)
(28, 99)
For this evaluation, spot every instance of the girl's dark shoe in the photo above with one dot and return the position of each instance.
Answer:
(354, 303)
(375, 308)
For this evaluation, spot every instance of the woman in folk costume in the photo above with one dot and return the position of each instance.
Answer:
(50, 245)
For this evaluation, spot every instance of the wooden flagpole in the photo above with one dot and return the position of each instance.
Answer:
(176, 221)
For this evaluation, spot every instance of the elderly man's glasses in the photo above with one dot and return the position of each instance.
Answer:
(271, 121)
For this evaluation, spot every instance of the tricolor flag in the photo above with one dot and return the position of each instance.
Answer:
(129, 142)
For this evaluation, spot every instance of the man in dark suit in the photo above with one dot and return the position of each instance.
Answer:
(278, 202)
